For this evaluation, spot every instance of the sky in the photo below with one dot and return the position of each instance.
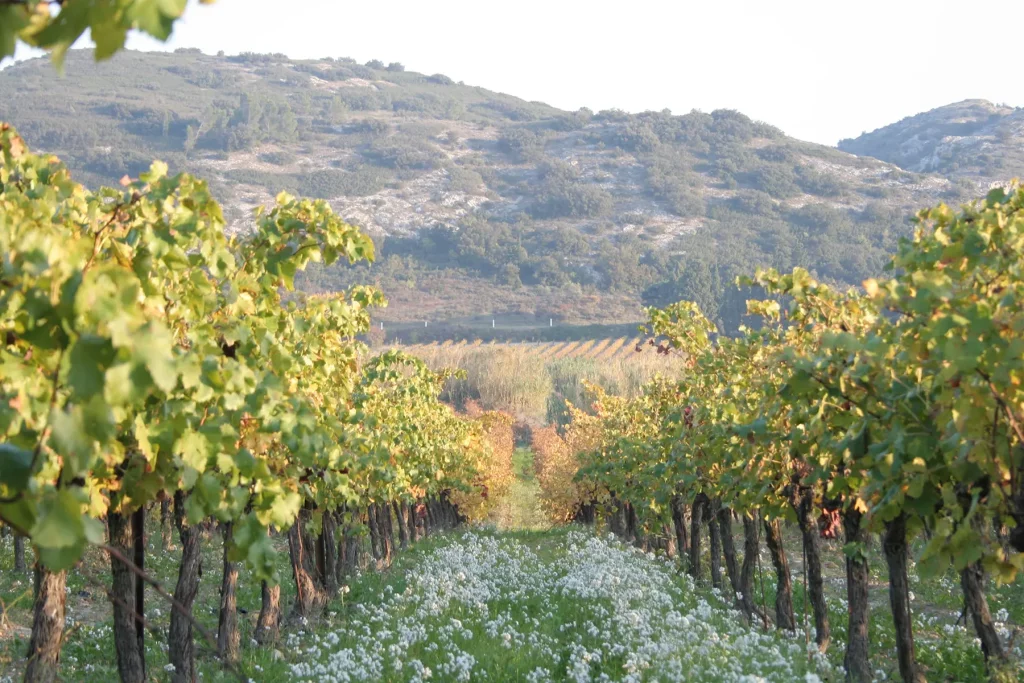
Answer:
(819, 70)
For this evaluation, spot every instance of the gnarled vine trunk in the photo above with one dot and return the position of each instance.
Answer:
(858, 668)
(19, 553)
(130, 657)
(380, 531)
(403, 527)
(269, 619)
(426, 517)
(715, 541)
(376, 546)
(751, 548)
(696, 520)
(679, 524)
(310, 596)
(348, 551)
(415, 529)
(585, 514)
(181, 647)
(804, 507)
(671, 549)
(139, 542)
(972, 581)
(896, 555)
(327, 556)
(47, 626)
(617, 519)
(784, 618)
(724, 520)
(387, 530)
(228, 637)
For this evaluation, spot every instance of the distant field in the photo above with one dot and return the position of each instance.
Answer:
(618, 348)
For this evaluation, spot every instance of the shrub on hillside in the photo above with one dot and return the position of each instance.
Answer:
(364, 99)
(820, 184)
(331, 183)
(753, 202)
(563, 194)
(573, 121)
(635, 136)
(403, 153)
(465, 180)
(521, 144)
(279, 158)
(776, 180)
(365, 73)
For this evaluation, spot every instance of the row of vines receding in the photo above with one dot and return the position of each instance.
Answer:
(147, 360)
(896, 410)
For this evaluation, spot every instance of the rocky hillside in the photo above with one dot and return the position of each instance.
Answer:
(485, 205)
(973, 140)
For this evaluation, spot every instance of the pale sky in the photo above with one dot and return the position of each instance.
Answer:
(820, 70)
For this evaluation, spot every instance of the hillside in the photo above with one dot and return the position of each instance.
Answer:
(974, 141)
(484, 205)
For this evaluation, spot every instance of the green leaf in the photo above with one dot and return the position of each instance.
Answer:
(15, 467)
(194, 450)
(12, 20)
(95, 531)
(156, 17)
(71, 439)
(21, 513)
(88, 361)
(59, 524)
(109, 38)
(285, 509)
(59, 559)
(106, 29)
(153, 348)
(64, 29)
(118, 385)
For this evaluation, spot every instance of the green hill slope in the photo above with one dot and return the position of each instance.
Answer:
(483, 204)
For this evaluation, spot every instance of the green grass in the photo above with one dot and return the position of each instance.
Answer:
(538, 552)
(946, 650)
(527, 605)
(521, 509)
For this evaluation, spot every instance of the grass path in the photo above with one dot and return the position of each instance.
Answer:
(528, 602)
(556, 605)
(520, 508)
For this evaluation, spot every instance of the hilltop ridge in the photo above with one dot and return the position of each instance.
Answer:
(972, 139)
(484, 204)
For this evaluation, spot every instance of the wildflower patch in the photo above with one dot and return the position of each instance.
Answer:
(578, 607)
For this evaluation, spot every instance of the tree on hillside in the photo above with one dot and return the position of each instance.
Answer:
(699, 282)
